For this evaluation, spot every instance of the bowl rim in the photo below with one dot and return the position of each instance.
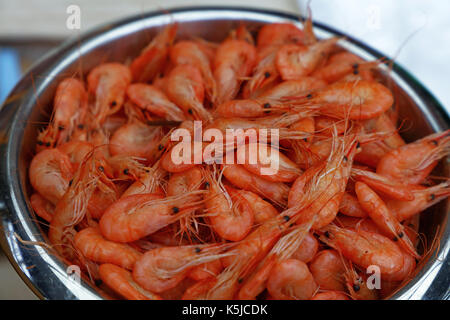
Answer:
(8, 169)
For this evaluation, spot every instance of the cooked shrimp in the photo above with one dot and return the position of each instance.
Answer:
(93, 246)
(296, 61)
(262, 210)
(185, 87)
(133, 217)
(50, 174)
(413, 162)
(328, 269)
(69, 111)
(279, 33)
(164, 268)
(291, 280)
(330, 295)
(153, 57)
(152, 99)
(42, 207)
(120, 281)
(350, 206)
(234, 60)
(190, 52)
(108, 82)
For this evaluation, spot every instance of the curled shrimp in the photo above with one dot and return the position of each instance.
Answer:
(262, 210)
(133, 217)
(185, 87)
(234, 60)
(279, 33)
(350, 206)
(230, 214)
(291, 280)
(42, 207)
(190, 52)
(365, 248)
(76, 150)
(355, 100)
(70, 109)
(136, 139)
(50, 174)
(108, 82)
(328, 270)
(121, 281)
(152, 99)
(153, 57)
(296, 61)
(413, 162)
(93, 246)
(164, 268)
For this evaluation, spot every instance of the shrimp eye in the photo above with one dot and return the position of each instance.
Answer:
(358, 145)
(286, 218)
(160, 147)
(400, 235)
(267, 74)
(40, 143)
(81, 126)
(327, 234)
(70, 182)
(126, 171)
(206, 184)
(175, 210)
(48, 144)
(395, 239)
(355, 66)
(190, 111)
(309, 96)
(432, 197)
(60, 128)
(266, 105)
(113, 104)
(98, 282)
(240, 280)
(356, 287)
(345, 158)
(435, 142)
(305, 139)
(101, 168)
(355, 71)
(198, 250)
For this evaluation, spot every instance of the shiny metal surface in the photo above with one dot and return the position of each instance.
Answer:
(46, 274)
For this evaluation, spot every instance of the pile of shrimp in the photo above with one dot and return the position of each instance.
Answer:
(347, 196)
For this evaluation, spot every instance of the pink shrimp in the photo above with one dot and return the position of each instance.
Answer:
(413, 162)
(262, 210)
(234, 60)
(42, 207)
(152, 99)
(108, 82)
(153, 57)
(328, 269)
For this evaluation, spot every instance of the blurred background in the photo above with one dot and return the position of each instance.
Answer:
(416, 33)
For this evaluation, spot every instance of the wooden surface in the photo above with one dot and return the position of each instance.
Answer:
(46, 19)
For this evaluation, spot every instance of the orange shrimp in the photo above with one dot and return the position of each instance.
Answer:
(365, 248)
(93, 246)
(279, 33)
(355, 100)
(234, 60)
(152, 99)
(356, 283)
(149, 182)
(413, 162)
(69, 112)
(198, 290)
(190, 52)
(206, 270)
(136, 139)
(328, 269)
(296, 61)
(276, 192)
(133, 217)
(291, 280)
(268, 163)
(323, 185)
(341, 64)
(185, 87)
(76, 150)
(72, 207)
(108, 82)
(229, 213)
(42, 207)
(164, 268)
(423, 199)
(50, 174)
(307, 250)
(262, 210)
(120, 280)
(350, 206)
(153, 57)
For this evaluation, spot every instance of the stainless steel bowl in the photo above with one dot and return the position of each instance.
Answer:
(45, 273)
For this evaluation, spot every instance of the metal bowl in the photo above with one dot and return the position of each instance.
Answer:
(44, 272)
